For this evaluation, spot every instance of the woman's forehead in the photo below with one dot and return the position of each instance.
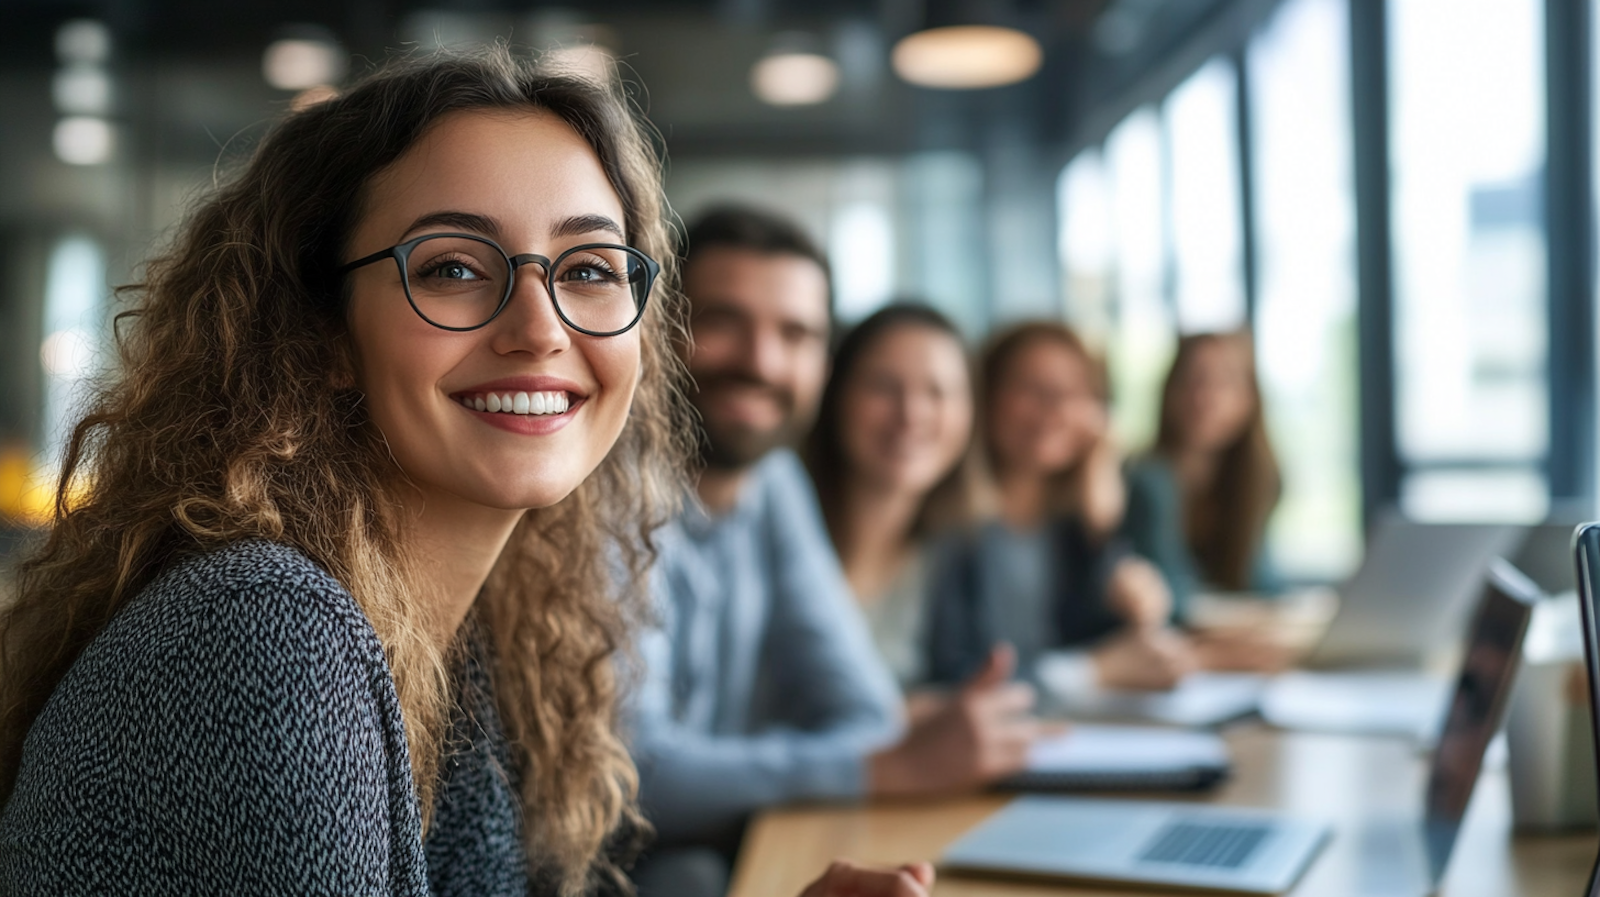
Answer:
(526, 169)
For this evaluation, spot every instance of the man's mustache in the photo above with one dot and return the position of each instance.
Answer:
(744, 381)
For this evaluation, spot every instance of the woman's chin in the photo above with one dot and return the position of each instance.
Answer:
(544, 492)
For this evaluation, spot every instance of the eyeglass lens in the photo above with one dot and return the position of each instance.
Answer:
(460, 282)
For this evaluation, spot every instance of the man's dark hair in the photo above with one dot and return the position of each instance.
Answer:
(731, 226)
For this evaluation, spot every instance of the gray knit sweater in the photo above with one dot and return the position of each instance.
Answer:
(235, 730)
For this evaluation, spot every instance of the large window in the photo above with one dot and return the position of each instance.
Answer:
(1466, 156)
(1143, 338)
(1153, 245)
(1113, 252)
(1087, 248)
(1207, 236)
(74, 328)
(1305, 250)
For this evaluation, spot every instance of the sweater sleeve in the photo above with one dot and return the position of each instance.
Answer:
(826, 669)
(839, 702)
(697, 785)
(218, 737)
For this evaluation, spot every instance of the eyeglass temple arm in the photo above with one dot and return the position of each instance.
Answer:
(367, 260)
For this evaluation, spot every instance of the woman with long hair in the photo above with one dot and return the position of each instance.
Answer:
(889, 457)
(1200, 500)
(1048, 573)
(344, 551)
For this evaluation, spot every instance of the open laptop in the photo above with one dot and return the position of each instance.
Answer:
(1261, 852)
(1545, 555)
(1586, 549)
(1409, 599)
(1412, 593)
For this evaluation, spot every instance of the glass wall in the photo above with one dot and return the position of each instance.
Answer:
(1087, 247)
(1207, 236)
(1153, 245)
(1306, 308)
(1467, 155)
(1141, 343)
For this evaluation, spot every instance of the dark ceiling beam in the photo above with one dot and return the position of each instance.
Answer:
(1172, 50)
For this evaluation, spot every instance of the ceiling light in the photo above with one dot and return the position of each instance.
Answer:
(964, 57)
(298, 63)
(82, 140)
(83, 40)
(794, 79)
(82, 89)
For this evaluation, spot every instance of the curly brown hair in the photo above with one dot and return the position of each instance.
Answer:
(233, 416)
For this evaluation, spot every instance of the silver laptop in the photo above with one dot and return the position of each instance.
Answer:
(1412, 592)
(1545, 555)
(1261, 852)
(1586, 551)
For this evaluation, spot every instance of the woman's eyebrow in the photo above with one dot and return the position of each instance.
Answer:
(464, 221)
(578, 225)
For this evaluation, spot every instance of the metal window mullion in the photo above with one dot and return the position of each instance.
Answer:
(1369, 81)
(1570, 235)
(1245, 159)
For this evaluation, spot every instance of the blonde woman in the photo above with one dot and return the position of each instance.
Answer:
(336, 610)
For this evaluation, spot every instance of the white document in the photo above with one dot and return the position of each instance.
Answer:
(1126, 749)
(1201, 699)
(1358, 702)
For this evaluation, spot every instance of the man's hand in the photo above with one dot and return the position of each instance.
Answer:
(980, 734)
(846, 879)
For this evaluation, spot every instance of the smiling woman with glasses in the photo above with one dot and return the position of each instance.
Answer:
(332, 597)
(322, 622)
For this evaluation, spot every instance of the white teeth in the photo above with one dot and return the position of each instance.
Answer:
(520, 402)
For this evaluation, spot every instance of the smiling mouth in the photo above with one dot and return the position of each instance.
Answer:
(515, 402)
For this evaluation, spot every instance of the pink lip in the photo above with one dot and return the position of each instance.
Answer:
(525, 424)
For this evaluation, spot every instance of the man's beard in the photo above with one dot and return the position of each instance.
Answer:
(734, 447)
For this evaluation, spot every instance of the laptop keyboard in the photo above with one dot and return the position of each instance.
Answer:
(1211, 844)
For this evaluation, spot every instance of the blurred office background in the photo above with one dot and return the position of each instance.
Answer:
(1398, 195)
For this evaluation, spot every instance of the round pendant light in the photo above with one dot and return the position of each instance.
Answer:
(966, 57)
(793, 78)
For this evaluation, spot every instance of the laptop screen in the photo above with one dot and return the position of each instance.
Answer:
(1586, 548)
(1478, 706)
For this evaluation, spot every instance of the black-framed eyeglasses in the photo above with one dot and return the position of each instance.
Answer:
(462, 282)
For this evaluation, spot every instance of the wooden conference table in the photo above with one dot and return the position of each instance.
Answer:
(1340, 778)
